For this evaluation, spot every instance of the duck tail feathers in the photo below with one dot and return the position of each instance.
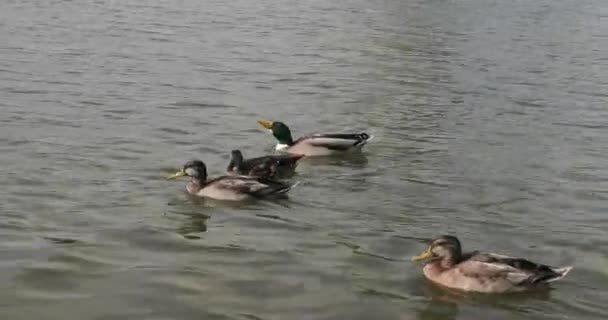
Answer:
(548, 275)
(364, 136)
(294, 185)
(560, 273)
(367, 137)
(287, 188)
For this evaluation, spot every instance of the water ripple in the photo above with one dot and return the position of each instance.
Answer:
(489, 121)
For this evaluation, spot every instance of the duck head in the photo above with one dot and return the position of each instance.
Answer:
(195, 169)
(236, 159)
(444, 248)
(279, 130)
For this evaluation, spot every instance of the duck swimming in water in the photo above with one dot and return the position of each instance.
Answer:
(483, 272)
(320, 144)
(266, 166)
(235, 188)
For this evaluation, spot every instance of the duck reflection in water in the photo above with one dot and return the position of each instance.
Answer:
(445, 303)
(196, 223)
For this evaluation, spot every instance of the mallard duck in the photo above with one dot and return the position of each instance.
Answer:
(266, 166)
(228, 187)
(483, 272)
(316, 144)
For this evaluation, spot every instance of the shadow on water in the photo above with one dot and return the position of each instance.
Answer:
(445, 303)
(439, 310)
(194, 224)
(196, 203)
(354, 160)
(196, 212)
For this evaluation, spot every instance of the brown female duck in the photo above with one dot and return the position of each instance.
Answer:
(266, 166)
(228, 187)
(483, 272)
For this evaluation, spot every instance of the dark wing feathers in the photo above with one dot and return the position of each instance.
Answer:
(538, 272)
(268, 165)
(256, 187)
(518, 263)
(356, 137)
(264, 169)
(336, 141)
(347, 136)
(274, 187)
(281, 160)
(336, 147)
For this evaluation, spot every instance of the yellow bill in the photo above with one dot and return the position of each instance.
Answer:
(427, 254)
(265, 123)
(178, 174)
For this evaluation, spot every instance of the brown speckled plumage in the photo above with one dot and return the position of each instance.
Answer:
(483, 272)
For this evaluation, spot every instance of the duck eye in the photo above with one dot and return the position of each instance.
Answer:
(440, 243)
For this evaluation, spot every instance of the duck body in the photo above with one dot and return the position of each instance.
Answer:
(491, 273)
(265, 166)
(316, 144)
(238, 188)
(326, 144)
(484, 272)
(231, 188)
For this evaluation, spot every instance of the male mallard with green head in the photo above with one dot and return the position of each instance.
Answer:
(319, 144)
(266, 166)
(483, 272)
(228, 187)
